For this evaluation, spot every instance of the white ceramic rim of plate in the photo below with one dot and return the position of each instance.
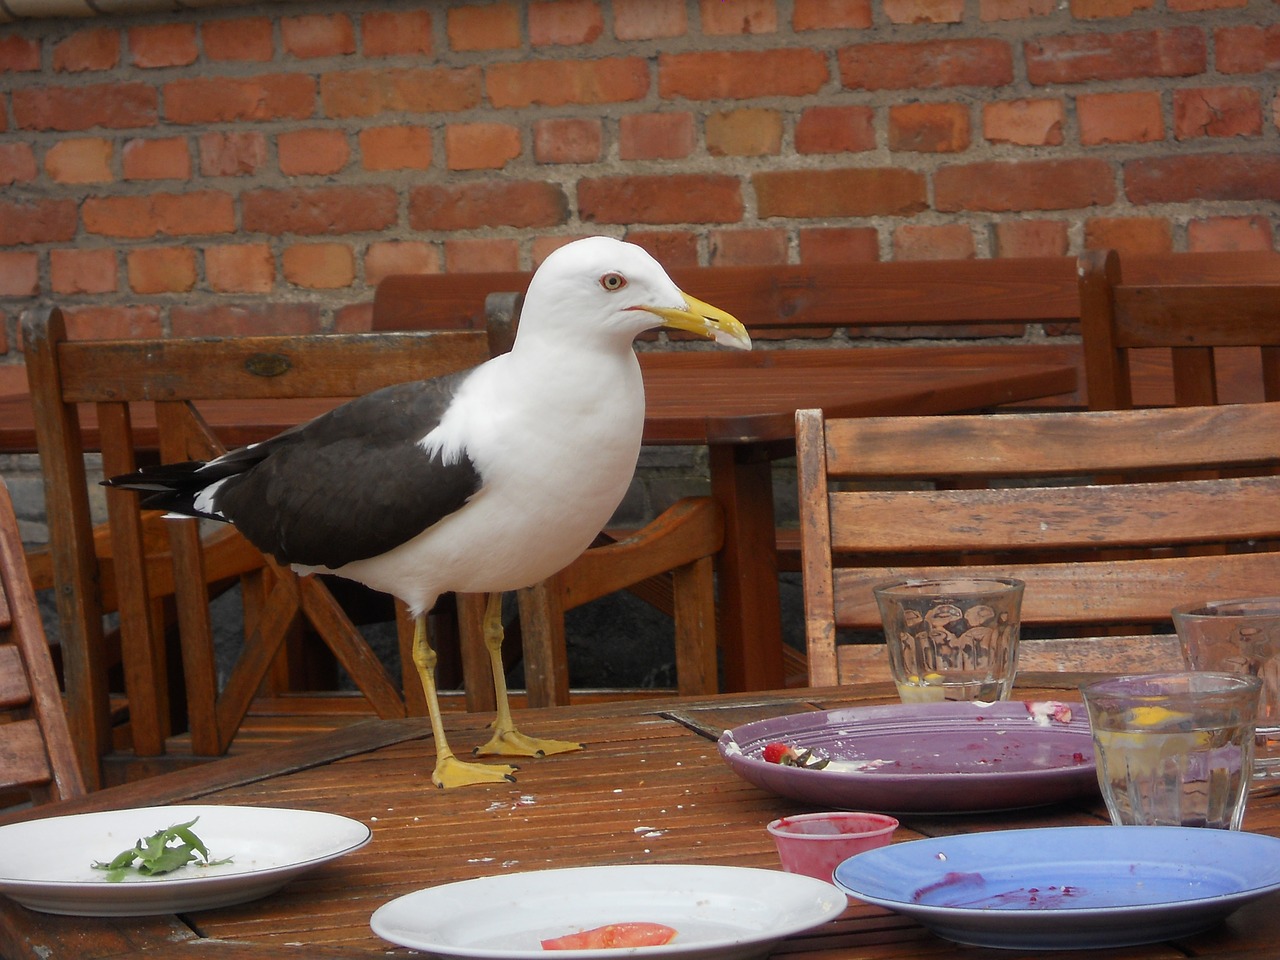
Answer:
(356, 835)
(828, 902)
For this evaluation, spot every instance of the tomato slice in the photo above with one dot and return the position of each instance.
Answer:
(613, 935)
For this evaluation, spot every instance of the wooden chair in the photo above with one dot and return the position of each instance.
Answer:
(1204, 319)
(1103, 561)
(143, 396)
(668, 562)
(38, 761)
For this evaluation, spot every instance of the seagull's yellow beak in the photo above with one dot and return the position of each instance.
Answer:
(706, 321)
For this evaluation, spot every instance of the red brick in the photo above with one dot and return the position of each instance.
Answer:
(746, 247)
(395, 148)
(480, 254)
(167, 159)
(364, 93)
(723, 17)
(129, 217)
(1230, 233)
(221, 320)
(232, 154)
(386, 257)
(543, 246)
(113, 323)
(1132, 117)
(25, 222)
(1075, 58)
(925, 64)
(568, 140)
(320, 266)
(924, 11)
(480, 146)
(163, 45)
(396, 33)
(492, 27)
(247, 39)
(831, 15)
(19, 54)
(19, 274)
(1032, 238)
(97, 48)
(318, 35)
(240, 268)
(161, 269)
(334, 210)
(741, 74)
(82, 160)
(671, 248)
(918, 241)
(995, 10)
(353, 318)
(848, 129)
(839, 244)
(17, 163)
(171, 214)
(1247, 49)
(312, 152)
(850, 192)
(1179, 179)
(79, 270)
(117, 106)
(222, 99)
(929, 127)
(1217, 112)
(1024, 123)
(564, 22)
(487, 203)
(656, 136)
(1025, 185)
(649, 19)
(677, 198)
(1129, 234)
(1108, 9)
(554, 83)
(750, 132)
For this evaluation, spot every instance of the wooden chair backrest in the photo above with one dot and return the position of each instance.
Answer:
(787, 300)
(1203, 319)
(35, 742)
(1097, 556)
(177, 375)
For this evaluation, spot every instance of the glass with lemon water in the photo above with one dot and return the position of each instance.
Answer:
(1174, 749)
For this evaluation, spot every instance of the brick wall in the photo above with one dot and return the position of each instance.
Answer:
(259, 168)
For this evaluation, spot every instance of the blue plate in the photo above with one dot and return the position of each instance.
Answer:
(1067, 887)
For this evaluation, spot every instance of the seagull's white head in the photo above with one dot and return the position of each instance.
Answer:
(604, 288)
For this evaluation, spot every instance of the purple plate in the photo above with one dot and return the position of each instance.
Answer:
(922, 758)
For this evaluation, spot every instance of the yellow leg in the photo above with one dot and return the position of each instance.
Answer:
(506, 739)
(449, 770)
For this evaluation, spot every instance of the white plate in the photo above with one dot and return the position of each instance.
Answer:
(720, 912)
(47, 864)
(1068, 888)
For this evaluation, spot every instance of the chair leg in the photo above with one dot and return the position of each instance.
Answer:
(695, 627)
(476, 673)
(546, 659)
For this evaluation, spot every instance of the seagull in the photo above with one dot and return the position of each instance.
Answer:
(483, 481)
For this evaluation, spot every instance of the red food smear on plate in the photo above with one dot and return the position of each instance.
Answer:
(613, 935)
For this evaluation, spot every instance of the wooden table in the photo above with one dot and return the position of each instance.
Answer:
(648, 788)
(742, 408)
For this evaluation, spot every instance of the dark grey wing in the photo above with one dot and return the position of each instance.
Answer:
(350, 484)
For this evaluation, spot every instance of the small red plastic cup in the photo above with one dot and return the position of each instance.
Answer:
(814, 844)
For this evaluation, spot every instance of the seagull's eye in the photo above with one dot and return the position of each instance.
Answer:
(613, 282)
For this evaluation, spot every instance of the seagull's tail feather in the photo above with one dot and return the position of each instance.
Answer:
(181, 489)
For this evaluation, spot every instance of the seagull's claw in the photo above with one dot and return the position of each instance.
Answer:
(513, 743)
(452, 772)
